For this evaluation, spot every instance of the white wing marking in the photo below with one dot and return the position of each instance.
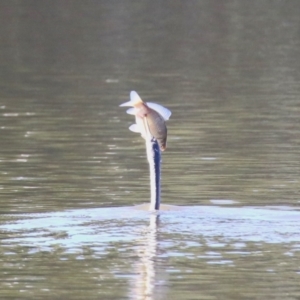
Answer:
(134, 97)
(129, 103)
(134, 128)
(131, 111)
(163, 111)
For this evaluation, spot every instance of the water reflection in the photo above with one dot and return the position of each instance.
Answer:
(143, 286)
(278, 224)
(149, 249)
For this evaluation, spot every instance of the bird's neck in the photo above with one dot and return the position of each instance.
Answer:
(154, 159)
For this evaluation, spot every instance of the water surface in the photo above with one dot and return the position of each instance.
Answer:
(71, 171)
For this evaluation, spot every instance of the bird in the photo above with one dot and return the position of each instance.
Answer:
(150, 123)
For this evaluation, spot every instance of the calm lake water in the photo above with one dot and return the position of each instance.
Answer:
(71, 171)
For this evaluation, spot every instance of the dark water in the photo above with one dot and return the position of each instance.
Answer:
(70, 170)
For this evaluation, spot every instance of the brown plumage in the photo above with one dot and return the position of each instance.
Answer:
(150, 119)
(155, 123)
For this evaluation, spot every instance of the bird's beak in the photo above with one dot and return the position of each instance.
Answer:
(129, 103)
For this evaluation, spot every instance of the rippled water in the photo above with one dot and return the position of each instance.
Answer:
(186, 253)
(71, 172)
